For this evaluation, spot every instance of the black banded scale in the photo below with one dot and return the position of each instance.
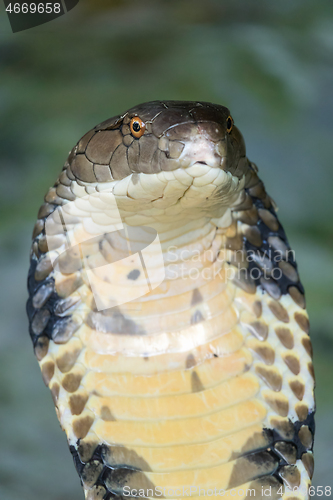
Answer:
(206, 379)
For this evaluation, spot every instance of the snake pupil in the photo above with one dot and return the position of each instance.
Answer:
(137, 127)
(229, 124)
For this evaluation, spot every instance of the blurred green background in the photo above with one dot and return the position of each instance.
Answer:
(270, 62)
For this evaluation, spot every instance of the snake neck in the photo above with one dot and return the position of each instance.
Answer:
(182, 284)
(185, 307)
(170, 200)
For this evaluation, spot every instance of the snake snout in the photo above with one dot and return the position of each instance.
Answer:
(203, 142)
(202, 151)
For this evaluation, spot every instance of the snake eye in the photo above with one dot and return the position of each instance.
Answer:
(137, 127)
(230, 123)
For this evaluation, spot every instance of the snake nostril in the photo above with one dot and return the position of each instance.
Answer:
(202, 162)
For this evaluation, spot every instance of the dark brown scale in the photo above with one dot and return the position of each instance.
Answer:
(311, 370)
(289, 271)
(249, 217)
(293, 363)
(40, 321)
(97, 493)
(116, 479)
(110, 124)
(45, 210)
(70, 261)
(64, 179)
(82, 168)
(102, 145)
(196, 383)
(298, 388)
(133, 156)
(235, 243)
(270, 377)
(196, 297)
(65, 192)
(269, 219)
(245, 468)
(71, 382)
(66, 361)
(39, 226)
(81, 426)
(43, 269)
(63, 305)
(302, 411)
(190, 361)
(106, 414)
(262, 487)
(285, 336)
(175, 149)
(305, 436)
(246, 204)
(279, 311)
(69, 285)
(259, 329)
(82, 144)
(64, 329)
(91, 473)
(257, 308)
(55, 389)
(52, 197)
(102, 173)
(258, 191)
(127, 140)
(280, 406)
(266, 353)
(147, 148)
(43, 293)
(70, 174)
(47, 371)
(297, 296)
(34, 251)
(77, 403)
(287, 451)
(119, 165)
(160, 161)
(308, 461)
(42, 244)
(307, 346)
(291, 476)
(283, 428)
(41, 347)
(302, 322)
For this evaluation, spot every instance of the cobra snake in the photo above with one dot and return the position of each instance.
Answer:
(203, 382)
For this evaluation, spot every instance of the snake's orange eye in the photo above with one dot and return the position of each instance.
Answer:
(230, 123)
(137, 127)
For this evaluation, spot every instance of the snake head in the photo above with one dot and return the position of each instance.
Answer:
(165, 153)
(169, 135)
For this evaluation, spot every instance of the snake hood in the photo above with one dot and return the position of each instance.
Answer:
(187, 365)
